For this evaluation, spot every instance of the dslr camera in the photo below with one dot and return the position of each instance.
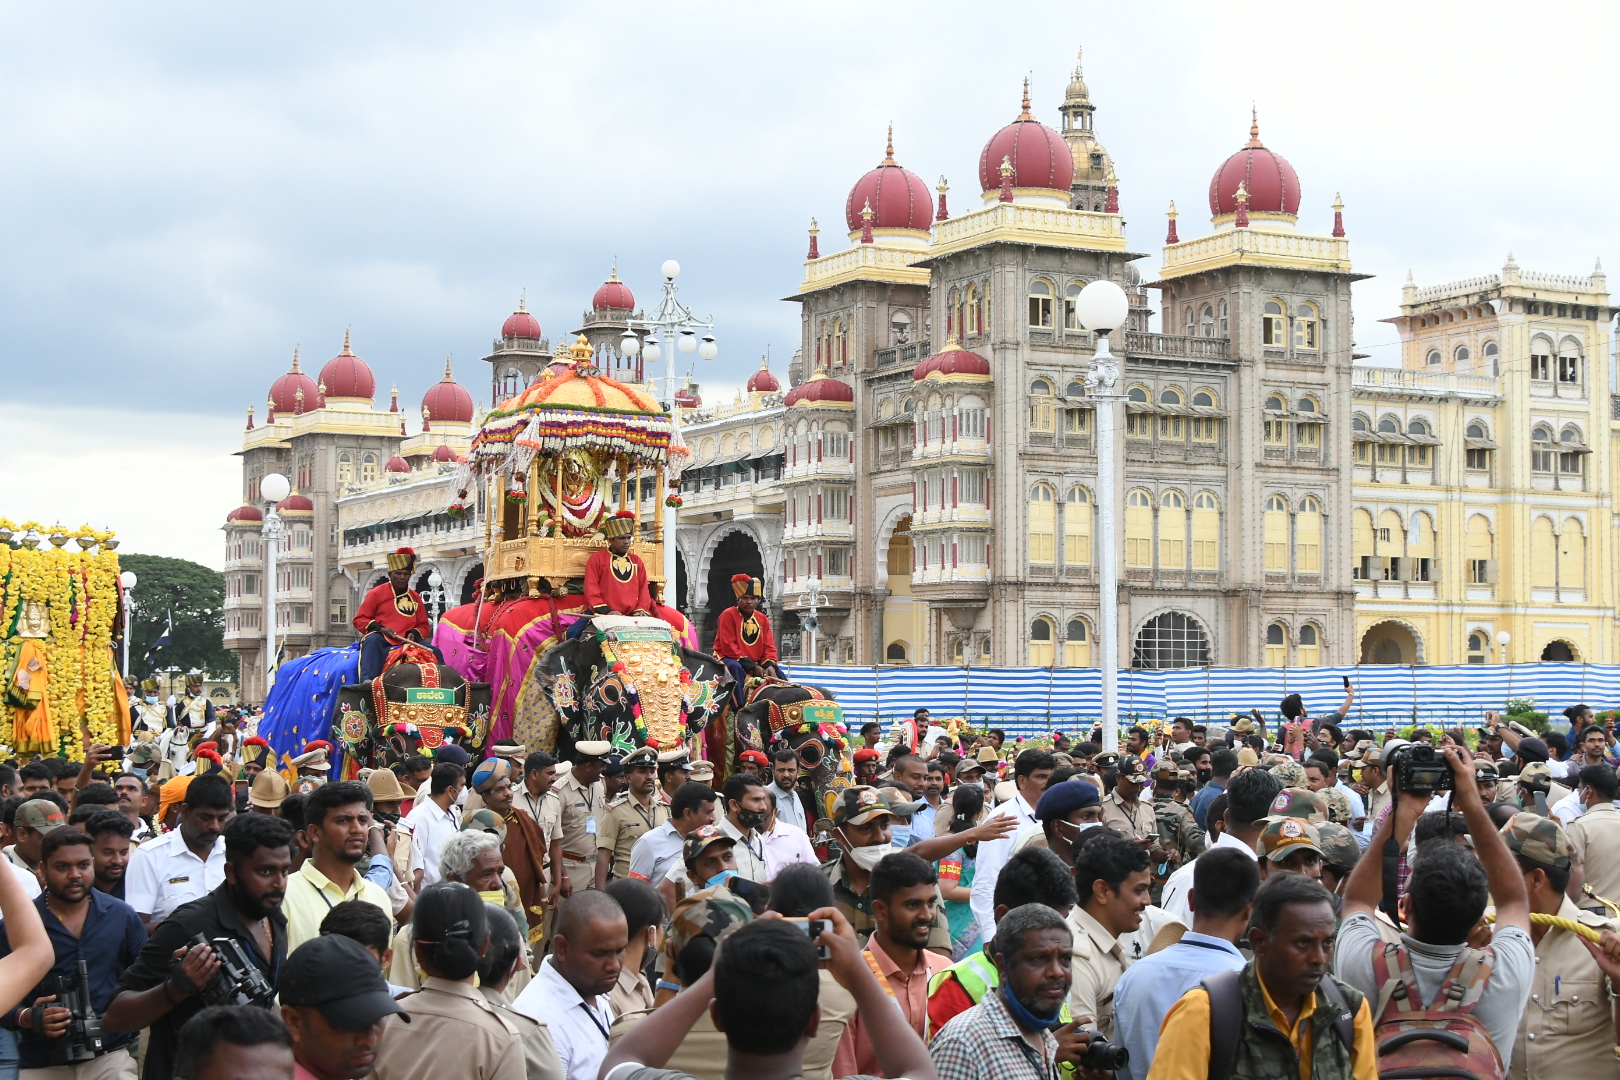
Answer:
(1419, 769)
(1103, 1055)
(238, 980)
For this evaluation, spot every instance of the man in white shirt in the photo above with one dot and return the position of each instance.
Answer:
(432, 821)
(189, 862)
(786, 844)
(1030, 773)
(570, 993)
(747, 807)
(784, 789)
(1249, 795)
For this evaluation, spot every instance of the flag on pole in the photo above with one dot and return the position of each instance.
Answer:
(162, 640)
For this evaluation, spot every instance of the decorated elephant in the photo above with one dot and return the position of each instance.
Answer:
(805, 719)
(626, 681)
(414, 707)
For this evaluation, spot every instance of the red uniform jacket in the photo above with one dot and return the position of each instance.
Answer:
(400, 614)
(737, 640)
(616, 587)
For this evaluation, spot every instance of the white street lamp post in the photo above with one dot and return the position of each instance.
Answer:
(812, 597)
(1502, 639)
(677, 326)
(435, 594)
(272, 489)
(126, 581)
(1101, 308)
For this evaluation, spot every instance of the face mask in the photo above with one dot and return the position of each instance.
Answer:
(751, 819)
(720, 879)
(151, 701)
(493, 896)
(1026, 1019)
(867, 858)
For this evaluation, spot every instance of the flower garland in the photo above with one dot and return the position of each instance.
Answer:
(631, 694)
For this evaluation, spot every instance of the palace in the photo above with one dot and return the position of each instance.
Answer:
(925, 483)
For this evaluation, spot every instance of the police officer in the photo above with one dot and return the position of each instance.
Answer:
(1124, 810)
(583, 805)
(631, 815)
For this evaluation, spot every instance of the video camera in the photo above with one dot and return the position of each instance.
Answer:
(84, 1039)
(1418, 768)
(238, 980)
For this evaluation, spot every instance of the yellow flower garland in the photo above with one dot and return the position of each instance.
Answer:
(81, 590)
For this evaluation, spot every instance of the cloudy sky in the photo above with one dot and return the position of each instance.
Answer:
(189, 190)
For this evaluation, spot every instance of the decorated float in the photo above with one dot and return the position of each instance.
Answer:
(59, 609)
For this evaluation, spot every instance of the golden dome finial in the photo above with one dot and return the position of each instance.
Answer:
(346, 350)
(866, 211)
(321, 387)
(1338, 203)
(1026, 114)
(814, 230)
(1254, 126)
(888, 153)
(523, 296)
(1006, 165)
(1242, 195)
(295, 358)
(951, 344)
(580, 350)
(1171, 213)
(765, 362)
(447, 376)
(613, 275)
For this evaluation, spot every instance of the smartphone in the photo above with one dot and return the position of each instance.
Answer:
(1346, 679)
(813, 929)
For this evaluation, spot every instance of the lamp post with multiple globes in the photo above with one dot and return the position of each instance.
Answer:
(272, 489)
(1102, 307)
(678, 328)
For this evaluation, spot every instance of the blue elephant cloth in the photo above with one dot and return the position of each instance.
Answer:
(299, 707)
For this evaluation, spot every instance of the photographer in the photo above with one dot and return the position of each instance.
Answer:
(84, 925)
(172, 980)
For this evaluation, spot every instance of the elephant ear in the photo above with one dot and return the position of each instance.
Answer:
(354, 718)
(480, 696)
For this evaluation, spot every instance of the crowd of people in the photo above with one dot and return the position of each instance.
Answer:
(1299, 898)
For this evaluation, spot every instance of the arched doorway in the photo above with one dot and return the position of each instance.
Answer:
(735, 554)
(1559, 652)
(469, 583)
(1390, 643)
(1170, 640)
(902, 622)
(678, 597)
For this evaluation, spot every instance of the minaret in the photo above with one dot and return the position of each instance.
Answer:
(1092, 164)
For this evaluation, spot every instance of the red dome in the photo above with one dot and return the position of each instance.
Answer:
(614, 294)
(1270, 181)
(520, 324)
(953, 360)
(244, 513)
(348, 376)
(820, 389)
(1040, 157)
(449, 401)
(284, 391)
(295, 504)
(398, 464)
(898, 197)
(443, 453)
(763, 382)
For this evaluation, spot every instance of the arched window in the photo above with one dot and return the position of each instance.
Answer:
(1276, 645)
(1204, 399)
(1139, 530)
(1170, 396)
(1307, 404)
(1543, 458)
(1572, 556)
(1308, 434)
(1433, 358)
(1479, 551)
(1192, 321)
(1170, 640)
(1493, 358)
(1076, 388)
(1275, 403)
(972, 313)
(1137, 393)
(1041, 633)
(1569, 361)
(1363, 546)
(1040, 304)
(895, 653)
(1310, 646)
(1308, 536)
(1305, 326)
(1541, 348)
(1274, 324)
(1276, 535)
(1543, 554)
(1358, 423)
(1479, 648)
(1171, 425)
(368, 469)
(953, 315)
(1206, 532)
(1071, 307)
(1077, 644)
(345, 469)
(1041, 406)
(1276, 430)
(1206, 321)
(1476, 430)
(1419, 561)
(1222, 323)
(1042, 525)
(1172, 531)
(899, 330)
(1460, 355)
(1205, 429)
(1077, 527)
(1389, 425)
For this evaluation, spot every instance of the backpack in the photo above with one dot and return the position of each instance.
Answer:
(1445, 1039)
(1226, 1020)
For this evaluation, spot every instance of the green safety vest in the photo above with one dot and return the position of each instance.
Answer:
(978, 975)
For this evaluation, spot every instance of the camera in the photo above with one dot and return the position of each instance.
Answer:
(1104, 1055)
(84, 1039)
(813, 929)
(1419, 769)
(238, 980)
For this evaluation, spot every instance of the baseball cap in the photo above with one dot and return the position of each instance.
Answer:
(1537, 776)
(967, 765)
(1531, 750)
(339, 977)
(614, 766)
(452, 753)
(711, 913)
(1064, 798)
(1299, 803)
(1539, 840)
(1132, 768)
(41, 815)
(1339, 847)
(1284, 836)
(856, 806)
(702, 838)
(1290, 772)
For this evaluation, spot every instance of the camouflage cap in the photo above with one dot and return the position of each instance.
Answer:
(1290, 772)
(1338, 806)
(702, 837)
(1299, 803)
(1536, 776)
(1538, 840)
(484, 821)
(1167, 770)
(1339, 847)
(856, 806)
(1284, 836)
(711, 913)
(1377, 755)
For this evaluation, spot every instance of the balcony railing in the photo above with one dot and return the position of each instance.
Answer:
(1404, 381)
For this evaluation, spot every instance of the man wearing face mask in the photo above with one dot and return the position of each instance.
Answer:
(861, 821)
(150, 714)
(747, 807)
(969, 773)
(1066, 811)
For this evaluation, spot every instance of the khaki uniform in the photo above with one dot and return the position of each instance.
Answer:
(1098, 962)
(1379, 797)
(540, 1060)
(453, 1032)
(632, 999)
(1595, 836)
(1139, 824)
(581, 812)
(625, 822)
(1567, 1030)
(837, 1009)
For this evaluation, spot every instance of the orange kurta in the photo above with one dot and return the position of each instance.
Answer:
(32, 725)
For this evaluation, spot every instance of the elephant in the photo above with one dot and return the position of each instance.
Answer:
(807, 720)
(627, 682)
(423, 705)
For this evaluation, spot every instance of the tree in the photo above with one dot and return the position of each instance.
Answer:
(196, 597)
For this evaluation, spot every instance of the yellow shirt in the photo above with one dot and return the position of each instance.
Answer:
(1185, 1054)
(310, 895)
